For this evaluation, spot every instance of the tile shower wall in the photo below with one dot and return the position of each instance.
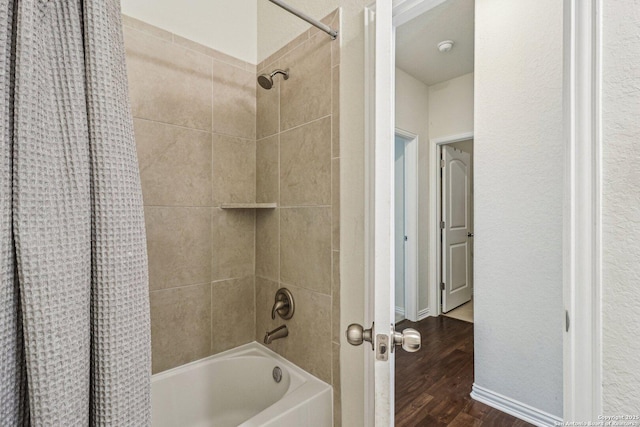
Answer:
(194, 116)
(207, 135)
(298, 166)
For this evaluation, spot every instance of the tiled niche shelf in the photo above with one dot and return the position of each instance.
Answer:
(249, 205)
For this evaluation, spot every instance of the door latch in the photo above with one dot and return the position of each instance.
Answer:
(382, 352)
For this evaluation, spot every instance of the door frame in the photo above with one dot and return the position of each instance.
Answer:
(411, 211)
(582, 248)
(435, 216)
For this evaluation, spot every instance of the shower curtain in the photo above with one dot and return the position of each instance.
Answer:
(74, 308)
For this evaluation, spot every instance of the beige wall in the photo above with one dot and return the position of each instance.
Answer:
(451, 107)
(298, 166)
(194, 118)
(412, 115)
(228, 26)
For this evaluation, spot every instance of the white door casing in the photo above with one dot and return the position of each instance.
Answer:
(456, 246)
(400, 229)
(411, 226)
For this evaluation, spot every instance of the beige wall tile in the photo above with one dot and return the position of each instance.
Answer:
(305, 248)
(136, 24)
(268, 170)
(175, 164)
(268, 107)
(309, 342)
(335, 204)
(335, 298)
(337, 392)
(234, 170)
(304, 97)
(168, 83)
(330, 19)
(234, 101)
(305, 164)
(215, 54)
(180, 326)
(335, 46)
(268, 243)
(233, 239)
(265, 298)
(335, 113)
(233, 313)
(179, 246)
(271, 59)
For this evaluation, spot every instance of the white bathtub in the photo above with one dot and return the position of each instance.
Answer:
(236, 388)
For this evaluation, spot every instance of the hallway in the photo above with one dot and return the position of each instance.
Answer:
(433, 385)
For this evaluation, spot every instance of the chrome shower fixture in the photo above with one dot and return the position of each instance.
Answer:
(266, 80)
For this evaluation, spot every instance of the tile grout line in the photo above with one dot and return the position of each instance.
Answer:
(306, 123)
(171, 288)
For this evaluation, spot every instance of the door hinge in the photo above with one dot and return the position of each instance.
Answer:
(442, 225)
(442, 163)
(406, 238)
(442, 286)
(567, 320)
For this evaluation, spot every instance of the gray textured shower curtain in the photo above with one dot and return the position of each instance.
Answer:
(74, 308)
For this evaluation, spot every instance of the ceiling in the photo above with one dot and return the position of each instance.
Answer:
(417, 43)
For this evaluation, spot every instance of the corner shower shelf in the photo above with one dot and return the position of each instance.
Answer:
(249, 206)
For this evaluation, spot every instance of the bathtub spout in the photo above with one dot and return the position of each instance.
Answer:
(276, 334)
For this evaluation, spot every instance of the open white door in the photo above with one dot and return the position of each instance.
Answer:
(456, 246)
(383, 213)
(380, 225)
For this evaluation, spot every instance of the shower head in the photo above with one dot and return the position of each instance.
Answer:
(266, 80)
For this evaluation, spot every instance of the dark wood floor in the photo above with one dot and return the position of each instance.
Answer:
(433, 385)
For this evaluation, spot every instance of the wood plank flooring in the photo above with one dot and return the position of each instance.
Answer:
(433, 385)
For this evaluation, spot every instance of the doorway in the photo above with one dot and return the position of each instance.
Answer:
(455, 231)
(581, 174)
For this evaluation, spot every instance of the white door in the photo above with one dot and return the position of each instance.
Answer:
(456, 233)
(380, 223)
(383, 214)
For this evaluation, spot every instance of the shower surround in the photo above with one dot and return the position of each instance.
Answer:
(207, 135)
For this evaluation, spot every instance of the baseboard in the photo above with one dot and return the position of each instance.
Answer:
(400, 311)
(423, 314)
(513, 407)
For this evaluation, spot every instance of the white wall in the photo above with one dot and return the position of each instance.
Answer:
(451, 107)
(412, 115)
(227, 26)
(519, 163)
(621, 207)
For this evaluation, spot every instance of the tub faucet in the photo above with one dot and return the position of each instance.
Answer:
(276, 334)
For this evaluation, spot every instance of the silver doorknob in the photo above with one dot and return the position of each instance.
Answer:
(409, 339)
(469, 234)
(356, 334)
